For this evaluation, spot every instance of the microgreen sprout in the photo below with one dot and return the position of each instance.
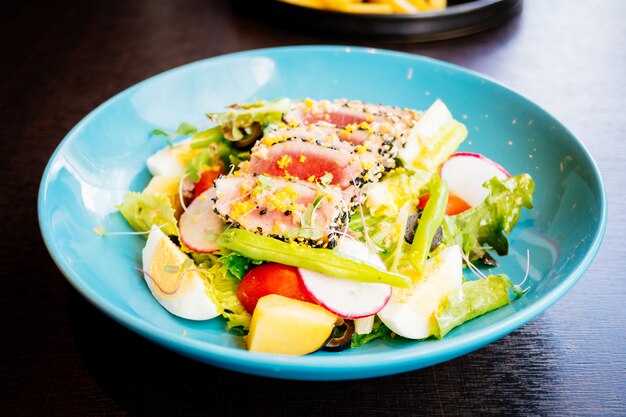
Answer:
(326, 179)
(163, 290)
(477, 272)
(368, 241)
(171, 269)
(184, 129)
(517, 288)
(263, 183)
(241, 197)
(180, 192)
(100, 230)
(188, 266)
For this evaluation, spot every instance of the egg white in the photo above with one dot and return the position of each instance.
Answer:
(410, 312)
(190, 301)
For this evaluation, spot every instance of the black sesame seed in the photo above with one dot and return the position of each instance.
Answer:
(262, 212)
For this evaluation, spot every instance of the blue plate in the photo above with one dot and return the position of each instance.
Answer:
(104, 156)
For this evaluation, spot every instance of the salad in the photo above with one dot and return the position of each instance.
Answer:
(326, 224)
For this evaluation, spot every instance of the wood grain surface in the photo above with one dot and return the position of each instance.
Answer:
(59, 356)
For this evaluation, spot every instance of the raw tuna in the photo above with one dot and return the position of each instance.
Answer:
(309, 161)
(281, 208)
(357, 140)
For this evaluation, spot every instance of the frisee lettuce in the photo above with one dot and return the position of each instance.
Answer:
(222, 289)
(490, 222)
(144, 210)
(473, 299)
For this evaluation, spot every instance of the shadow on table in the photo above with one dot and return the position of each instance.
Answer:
(145, 379)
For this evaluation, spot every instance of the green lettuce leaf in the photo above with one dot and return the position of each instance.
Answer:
(490, 222)
(381, 231)
(221, 151)
(236, 123)
(396, 189)
(473, 299)
(144, 210)
(222, 289)
(238, 265)
(379, 331)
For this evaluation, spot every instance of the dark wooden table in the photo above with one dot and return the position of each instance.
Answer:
(60, 356)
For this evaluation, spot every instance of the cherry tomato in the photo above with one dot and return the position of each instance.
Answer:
(270, 278)
(455, 204)
(206, 181)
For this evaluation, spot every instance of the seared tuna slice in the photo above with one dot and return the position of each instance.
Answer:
(395, 126)
(323, 136)
(350, 139)
(289, 210)
(307, 161)
(343, 113)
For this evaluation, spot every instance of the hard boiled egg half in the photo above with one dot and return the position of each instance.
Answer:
(411, 311)
(175, 284)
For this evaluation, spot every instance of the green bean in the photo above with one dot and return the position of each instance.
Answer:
(326, 261)
(206, 137)
(429, 222)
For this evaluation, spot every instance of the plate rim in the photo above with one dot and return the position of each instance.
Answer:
(319, 367)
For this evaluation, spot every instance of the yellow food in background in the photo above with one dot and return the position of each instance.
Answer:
(373, 6)
(289, 327)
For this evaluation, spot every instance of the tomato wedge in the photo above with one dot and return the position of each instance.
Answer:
(206, 181)
(455, 205)
(271, 278)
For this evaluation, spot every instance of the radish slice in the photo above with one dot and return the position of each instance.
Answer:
(466, 172)
(346, 298)
(199, 226)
